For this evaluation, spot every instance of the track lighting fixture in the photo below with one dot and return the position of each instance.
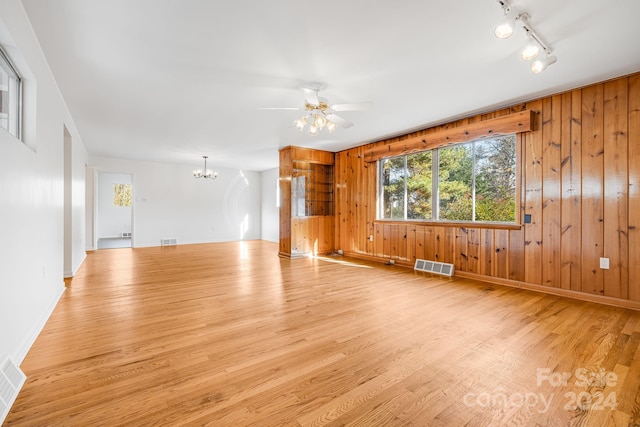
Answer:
(534, 44)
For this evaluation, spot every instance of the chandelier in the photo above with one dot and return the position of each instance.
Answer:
(205, 173)
(316, 119)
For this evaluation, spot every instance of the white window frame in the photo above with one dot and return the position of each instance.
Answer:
(14, 115)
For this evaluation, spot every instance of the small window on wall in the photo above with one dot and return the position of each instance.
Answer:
(122, 195)
(10, 97)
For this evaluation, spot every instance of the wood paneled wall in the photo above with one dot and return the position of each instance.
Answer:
(300, 236)
(580, 181)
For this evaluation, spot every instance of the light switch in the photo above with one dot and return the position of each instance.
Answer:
(604, 263)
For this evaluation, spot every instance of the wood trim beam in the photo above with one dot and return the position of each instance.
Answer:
(522, 121)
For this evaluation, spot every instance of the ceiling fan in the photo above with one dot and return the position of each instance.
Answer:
(319, 114)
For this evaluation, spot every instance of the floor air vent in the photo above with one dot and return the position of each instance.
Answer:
(11, 381)
(169, 242)
(434, 267)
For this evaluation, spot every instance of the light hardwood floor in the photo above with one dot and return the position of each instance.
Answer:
(228, 334)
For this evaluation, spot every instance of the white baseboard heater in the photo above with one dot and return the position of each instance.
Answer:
(126, 235)
(11, 381)
(434, 267)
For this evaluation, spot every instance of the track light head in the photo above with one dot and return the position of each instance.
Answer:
(505, 29)
(539, 65)
(531, 49)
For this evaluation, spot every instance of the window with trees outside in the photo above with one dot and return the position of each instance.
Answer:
(474, 181)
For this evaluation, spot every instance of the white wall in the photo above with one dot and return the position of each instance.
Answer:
(270, 218)
(170, 203)
(75, 157)
(91, 206)
(32, 193)
(112, 220)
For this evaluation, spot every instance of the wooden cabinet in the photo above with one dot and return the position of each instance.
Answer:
(306, 201)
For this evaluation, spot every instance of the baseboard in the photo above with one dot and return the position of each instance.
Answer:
(24, 348)
(582, 296)
(70, 274)
(379, 260)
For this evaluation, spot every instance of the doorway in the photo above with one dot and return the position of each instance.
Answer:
(115, 210)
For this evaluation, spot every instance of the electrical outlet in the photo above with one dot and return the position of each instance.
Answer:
(604, 263)
(371, 237)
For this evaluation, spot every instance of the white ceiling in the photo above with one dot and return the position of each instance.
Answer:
(172, 80)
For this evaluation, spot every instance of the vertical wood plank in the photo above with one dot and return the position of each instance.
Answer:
(420, 250)
(355, 239)
(570, 221)
(438, 244)
(284, 183)
(378, 240)
(516, 261)
(370, 200)
(411, 244)
(473, 250)
(460, 257)
(429, 243)
(516, 255)
(592, 189)
(386, 241)
(402, 242)
(551, 170)
(634, 187)
(449, 244)
(487, 249)
(533, 200)
(501, 252)
(394, 241)
(616, 178)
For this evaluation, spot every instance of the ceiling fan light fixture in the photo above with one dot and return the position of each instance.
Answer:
(319, 120)
(301, 122)
(319, 114)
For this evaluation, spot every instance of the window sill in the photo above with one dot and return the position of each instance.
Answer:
(461, 224)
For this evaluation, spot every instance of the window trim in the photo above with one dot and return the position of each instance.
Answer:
(18, 102)
(517, 224)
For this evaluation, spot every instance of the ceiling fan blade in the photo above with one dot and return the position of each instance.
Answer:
(311, 96)
(339, 121)
(282, 108)
(352, 107)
